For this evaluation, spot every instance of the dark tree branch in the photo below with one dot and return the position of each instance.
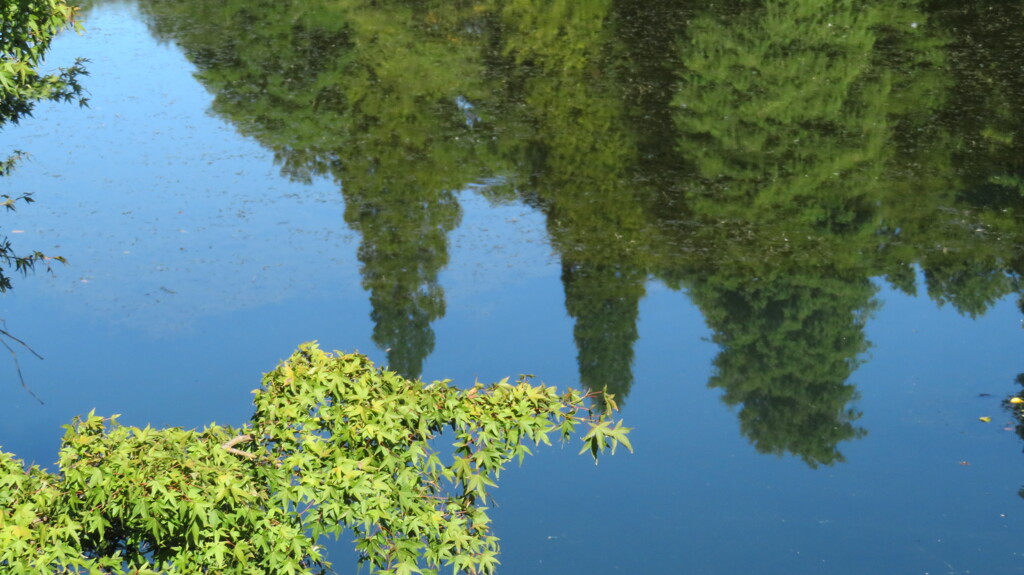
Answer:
(17, 365)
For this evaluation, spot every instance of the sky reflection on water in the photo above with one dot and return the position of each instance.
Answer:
(194, 267)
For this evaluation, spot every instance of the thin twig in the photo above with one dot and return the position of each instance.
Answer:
(17, 365)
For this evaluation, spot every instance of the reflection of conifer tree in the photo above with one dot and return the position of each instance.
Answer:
(415, 144)
(778, 109)
(789, 345)
(580, 158)
(598, 229)
(783, 120)
(604, 300)
(819, 136)
(404, 247)
(377, 97)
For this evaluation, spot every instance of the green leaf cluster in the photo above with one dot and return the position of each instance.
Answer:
(27, 28)
(335, 444)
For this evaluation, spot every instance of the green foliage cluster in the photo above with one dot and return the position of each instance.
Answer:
(27, 27)
(335, 444)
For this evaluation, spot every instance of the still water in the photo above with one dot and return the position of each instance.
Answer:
(787, 235)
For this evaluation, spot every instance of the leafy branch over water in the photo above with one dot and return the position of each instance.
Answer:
(335, 444)
(26, 32)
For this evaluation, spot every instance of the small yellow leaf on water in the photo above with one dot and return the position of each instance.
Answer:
(1016, 400)
(986, 419)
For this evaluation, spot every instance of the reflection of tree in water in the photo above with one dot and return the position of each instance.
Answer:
(782, 118)
(579, 155)
(404, 246)
(604, 301)
(778, 110)
(412, 145)
(832, 142)
(975, 257)
(371, 97)
(789, 346)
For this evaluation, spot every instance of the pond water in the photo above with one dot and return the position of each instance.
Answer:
(787, 235)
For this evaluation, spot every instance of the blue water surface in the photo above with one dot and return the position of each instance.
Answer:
(193, 267)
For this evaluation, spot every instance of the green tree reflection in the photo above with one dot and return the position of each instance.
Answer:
(380, 100)
(812, 131)
(579, 155)
(785, 124)
(404, 246)
(789, 346)
(770, 157)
